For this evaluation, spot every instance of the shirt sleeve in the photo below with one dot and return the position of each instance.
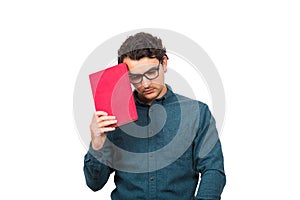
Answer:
(97, 168)
(208, 158)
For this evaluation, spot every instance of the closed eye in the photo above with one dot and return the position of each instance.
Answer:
(152, 71)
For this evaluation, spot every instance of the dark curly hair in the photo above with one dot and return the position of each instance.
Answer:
(142, 45)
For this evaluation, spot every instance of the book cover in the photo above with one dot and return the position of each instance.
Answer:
(112, 93)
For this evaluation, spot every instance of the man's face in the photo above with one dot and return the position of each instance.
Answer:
(148, 90)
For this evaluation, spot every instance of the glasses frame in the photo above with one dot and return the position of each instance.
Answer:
(145, 74)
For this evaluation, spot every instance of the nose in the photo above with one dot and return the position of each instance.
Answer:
(145, 82)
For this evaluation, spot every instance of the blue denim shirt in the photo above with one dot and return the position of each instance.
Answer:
(161, 155)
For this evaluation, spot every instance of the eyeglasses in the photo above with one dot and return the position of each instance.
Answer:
(151, 74)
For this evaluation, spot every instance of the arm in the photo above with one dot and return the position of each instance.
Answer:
(96, 173)
(209, 158)
(98, 158)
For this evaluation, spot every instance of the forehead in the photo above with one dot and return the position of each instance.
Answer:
(142, 65)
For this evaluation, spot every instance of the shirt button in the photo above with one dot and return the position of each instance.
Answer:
(151, 178)
(151, 155)
(151, 132)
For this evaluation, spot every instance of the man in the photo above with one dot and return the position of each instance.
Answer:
(161, 155)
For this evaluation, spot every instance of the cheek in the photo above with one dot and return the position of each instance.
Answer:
(159, 80)
(138, 87)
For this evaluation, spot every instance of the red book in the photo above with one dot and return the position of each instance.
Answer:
(112, 93)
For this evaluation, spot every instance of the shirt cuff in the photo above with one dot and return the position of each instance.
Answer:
(102, 156)
(95, 153)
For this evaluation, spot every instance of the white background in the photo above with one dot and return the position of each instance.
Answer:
(254, 44)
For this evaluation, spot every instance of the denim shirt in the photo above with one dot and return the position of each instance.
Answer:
(161, 155)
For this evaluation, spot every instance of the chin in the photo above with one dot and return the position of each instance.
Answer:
(149, 97)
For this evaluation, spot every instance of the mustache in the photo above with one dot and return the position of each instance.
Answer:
(143, 89)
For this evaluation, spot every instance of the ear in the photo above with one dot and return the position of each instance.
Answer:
(165, 63)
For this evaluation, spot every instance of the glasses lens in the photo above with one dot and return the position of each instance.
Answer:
(135, 78)
(152, 74)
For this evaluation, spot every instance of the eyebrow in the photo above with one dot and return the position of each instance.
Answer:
(152, 68)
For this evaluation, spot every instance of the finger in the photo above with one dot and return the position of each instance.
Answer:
(100, 113)
(105, 118)
(108, 129)
(106, 123)
(102, 131)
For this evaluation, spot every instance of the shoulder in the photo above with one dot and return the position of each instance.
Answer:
(189, 101)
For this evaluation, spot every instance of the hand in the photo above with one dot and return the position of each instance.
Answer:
(99, 128)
